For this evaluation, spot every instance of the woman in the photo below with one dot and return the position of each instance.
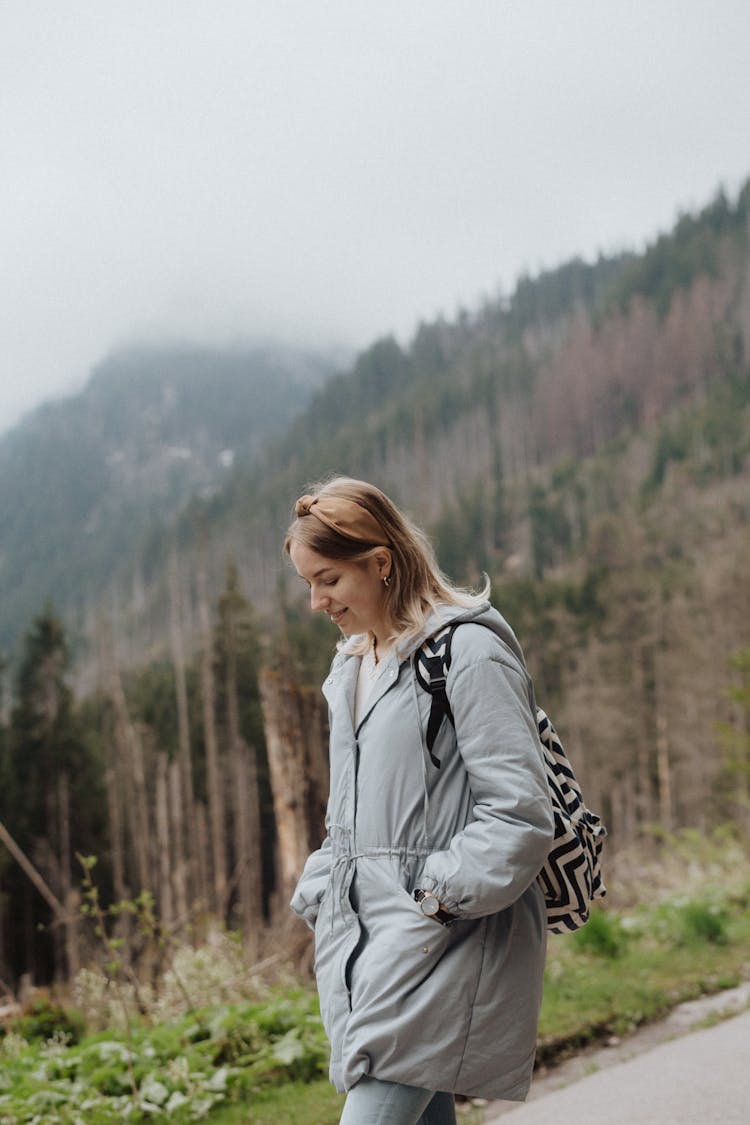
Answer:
(429, 925)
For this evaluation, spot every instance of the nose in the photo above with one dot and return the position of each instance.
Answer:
(317, 600)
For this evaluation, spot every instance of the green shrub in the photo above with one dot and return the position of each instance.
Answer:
(602, 935)
(235, 1036)
(702, 922)
(109, 1080)
(45, 1020)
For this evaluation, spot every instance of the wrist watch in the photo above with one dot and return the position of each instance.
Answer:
(432, 908)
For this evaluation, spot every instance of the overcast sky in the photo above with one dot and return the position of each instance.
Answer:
(330, 171)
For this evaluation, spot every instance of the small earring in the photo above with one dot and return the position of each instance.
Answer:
(386, 579)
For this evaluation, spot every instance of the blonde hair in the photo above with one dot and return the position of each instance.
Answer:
(417, 585)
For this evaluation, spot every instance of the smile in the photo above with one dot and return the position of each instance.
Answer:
(336, 617)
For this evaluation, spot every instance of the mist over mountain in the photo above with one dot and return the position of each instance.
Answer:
(514, 432)
(488, 425)
(85, 478)
(585, 442)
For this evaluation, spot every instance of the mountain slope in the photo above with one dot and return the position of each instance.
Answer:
(468, 425)
(83, 479)
(479, 424)
(592, 454)
(587, 444)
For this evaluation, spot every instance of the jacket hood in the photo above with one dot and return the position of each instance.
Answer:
(481, 614)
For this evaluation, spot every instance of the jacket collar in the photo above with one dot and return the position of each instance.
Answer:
(437, 620)
(344, 669)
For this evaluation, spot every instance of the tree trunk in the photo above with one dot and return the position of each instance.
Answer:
(177, 824)
(131, 754)
(69, 895)
(166, 909)
(115, 828)
(298, 769)
(645, 680)
(200, 827)
(112, 781)
(182, 845)
(664, 773)
(27, 909)
(249, 870)
(33, 875)
(3, 967)
(216, 803)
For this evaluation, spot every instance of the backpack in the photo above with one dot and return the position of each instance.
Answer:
(571, 877)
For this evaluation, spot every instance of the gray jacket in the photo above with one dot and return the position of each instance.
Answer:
(403, 998)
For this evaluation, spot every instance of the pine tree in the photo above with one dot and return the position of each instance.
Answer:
(240, 719)
(5, 859)
(52, 789)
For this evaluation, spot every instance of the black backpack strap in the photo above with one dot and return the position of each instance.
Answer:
(431, 664)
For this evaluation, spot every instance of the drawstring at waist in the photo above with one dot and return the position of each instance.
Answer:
(343, 867)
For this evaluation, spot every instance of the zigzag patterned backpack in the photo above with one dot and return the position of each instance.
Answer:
(571, 877)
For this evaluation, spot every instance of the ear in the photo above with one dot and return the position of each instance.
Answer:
(383, 561)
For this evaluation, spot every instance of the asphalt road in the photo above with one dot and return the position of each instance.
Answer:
(702, 1078)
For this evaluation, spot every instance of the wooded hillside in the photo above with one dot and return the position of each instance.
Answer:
(87, 480)
(586, 442)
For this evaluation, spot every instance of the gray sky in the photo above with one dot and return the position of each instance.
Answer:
(332, 171)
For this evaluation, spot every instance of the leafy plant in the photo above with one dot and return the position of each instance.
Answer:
(183, 1069)
(45, 1019)
(603, 935)
(703, 922)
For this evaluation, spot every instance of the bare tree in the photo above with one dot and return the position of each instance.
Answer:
(165, 897)
(216, 801)
(298, 767)
(183, 844)
(130, 753)
(70, 896)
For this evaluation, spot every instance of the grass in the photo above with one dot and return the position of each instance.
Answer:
(295, 1103)
(298, 1103)
(659, 958)
(264, 1060)
(618, 972)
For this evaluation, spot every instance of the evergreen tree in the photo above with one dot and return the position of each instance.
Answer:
(735, 736)
(5, 859)
(50, 795)
(240, 720)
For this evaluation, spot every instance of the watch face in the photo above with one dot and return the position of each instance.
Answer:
(429, 904)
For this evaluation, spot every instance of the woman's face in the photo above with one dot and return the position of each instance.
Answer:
(351, 593)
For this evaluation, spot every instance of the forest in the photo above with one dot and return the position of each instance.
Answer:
(585, 442)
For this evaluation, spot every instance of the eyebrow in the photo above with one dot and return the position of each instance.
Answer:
(323, 570)
(318, 573)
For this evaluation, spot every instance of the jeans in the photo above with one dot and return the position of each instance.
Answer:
(372, 1102)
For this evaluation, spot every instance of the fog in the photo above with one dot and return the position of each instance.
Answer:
(328, 173)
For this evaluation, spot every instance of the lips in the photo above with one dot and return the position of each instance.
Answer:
(336, 617)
